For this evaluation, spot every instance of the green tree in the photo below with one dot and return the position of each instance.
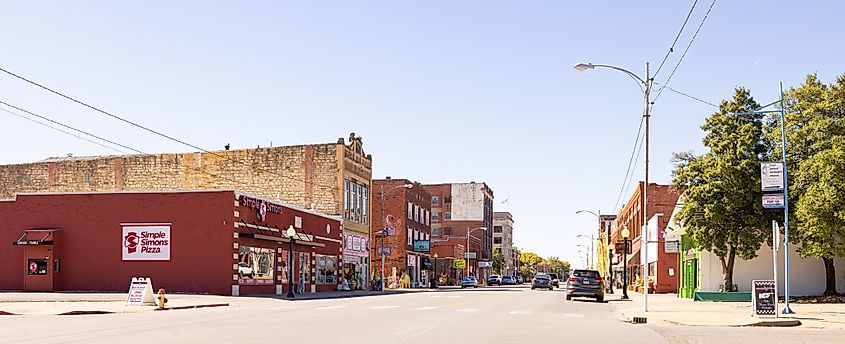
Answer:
(498, 261)
(722, 209)
(528, 262)
(558, 266)
(815, 131)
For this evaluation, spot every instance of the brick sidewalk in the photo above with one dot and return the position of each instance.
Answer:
(669, 309)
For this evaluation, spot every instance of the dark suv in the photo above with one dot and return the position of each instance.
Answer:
(586, 283)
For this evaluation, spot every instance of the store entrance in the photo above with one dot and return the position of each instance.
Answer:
(39, 265)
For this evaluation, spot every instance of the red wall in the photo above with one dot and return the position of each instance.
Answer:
(90, 239)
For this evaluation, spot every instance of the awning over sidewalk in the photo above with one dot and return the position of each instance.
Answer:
(36, 237)
(249, 230)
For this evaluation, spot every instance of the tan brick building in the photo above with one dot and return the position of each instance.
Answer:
(331, 178)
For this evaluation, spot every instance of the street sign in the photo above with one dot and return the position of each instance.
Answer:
(619, 246)
(771, 176)
(774, 201)
(672, 247)
(422, 245)
(485, 264)
(469, 255)
(764, 298)
(384, 250)
(459, 264)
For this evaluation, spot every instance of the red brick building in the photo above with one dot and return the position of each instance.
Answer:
(407, 210)
(216, 242)
(457, 209)
(663, 265)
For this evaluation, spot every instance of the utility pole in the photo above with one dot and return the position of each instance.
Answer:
(644, 240)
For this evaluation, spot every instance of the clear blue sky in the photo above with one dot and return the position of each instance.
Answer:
(441, 91)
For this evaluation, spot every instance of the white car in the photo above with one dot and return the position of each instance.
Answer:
(245, 270)
(469, 281)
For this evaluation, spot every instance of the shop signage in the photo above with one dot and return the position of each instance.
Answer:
(146, 242)
(485, 264)
(771, 176)
(422, 245)
(764, 298)
(140, 292)
(355, 245)
(672, 247)
(459, 264)
(261, 207)
(774, 201)
(620, 246)
(412, 260)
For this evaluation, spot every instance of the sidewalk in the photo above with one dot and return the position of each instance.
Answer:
(669, 309)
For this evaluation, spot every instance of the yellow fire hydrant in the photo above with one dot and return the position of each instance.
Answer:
(162, 300)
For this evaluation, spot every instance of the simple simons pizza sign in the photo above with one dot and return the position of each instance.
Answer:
(146, 241)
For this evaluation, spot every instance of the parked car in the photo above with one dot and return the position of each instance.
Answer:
(469, 281)
(508, 280)
(586, 283)
(519, 279)
(555, 280)
(494, 280)
(541, 281)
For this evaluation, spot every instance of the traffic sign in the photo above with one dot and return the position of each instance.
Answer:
(459, 264)
(774, 201)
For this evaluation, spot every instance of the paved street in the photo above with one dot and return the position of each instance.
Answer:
(484, 315)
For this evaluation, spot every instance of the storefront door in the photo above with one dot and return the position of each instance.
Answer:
(38, 268)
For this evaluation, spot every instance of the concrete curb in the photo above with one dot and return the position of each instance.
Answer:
(193, 307)
(86, 313)
(6, 313)
(774, 323)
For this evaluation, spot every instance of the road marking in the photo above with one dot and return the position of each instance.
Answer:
(447, 296)
(573, 315)
(281, 308)
(467, 310)
(382, 307)
(425, 308)
(331, 307)
(520, 312)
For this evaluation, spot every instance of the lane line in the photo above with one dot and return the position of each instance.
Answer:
(520, 312)
(331, 307)
(382, 307)
(428, 308)
(467, 310)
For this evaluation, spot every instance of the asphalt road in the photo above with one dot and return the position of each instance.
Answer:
(484, 315)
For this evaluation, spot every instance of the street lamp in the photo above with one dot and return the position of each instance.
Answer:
(384, 228)
(586, 254)
(625, 234)
(291, 234)
(592, 247)
(469, 232)
(645, 86)
(607, 248)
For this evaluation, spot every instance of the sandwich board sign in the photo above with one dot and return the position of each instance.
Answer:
(140, 292)
(764, 298)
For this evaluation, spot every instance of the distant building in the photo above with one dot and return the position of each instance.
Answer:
(503, 240)
(457, 209)
(330, 178)
(406, 246)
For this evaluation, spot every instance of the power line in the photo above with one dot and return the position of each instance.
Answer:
(630, 163)
(333, 188)
(100, 138)
(61, 130)
(690, 96)
(659, 92)
(672, 47)
(636, 160)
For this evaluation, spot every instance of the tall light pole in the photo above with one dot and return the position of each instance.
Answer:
(384, 227)
(625, 235)
(607, 248)
(291, 235)
(592, 248)
(645, 86)
(469, 232)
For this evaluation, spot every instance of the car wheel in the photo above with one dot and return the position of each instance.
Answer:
(532, 288)
(600, 299)
(475, 286)
(568, 298)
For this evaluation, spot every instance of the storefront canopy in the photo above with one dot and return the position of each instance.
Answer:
(36, 237)
(248, 230)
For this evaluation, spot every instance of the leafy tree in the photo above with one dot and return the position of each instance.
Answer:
(498, 261)
(528, 262)
(722, 210)
(815, 131)
(557, 265)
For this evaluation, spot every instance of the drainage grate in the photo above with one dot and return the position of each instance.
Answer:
(639, 320)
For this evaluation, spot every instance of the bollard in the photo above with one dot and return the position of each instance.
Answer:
(162, 299)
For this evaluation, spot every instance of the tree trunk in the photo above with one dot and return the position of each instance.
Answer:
(830, 274)
(728, 269)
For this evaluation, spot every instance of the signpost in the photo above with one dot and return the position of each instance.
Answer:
(459, 264)
(771, 176)
(469, 255)
(764, 298)
(774, 201)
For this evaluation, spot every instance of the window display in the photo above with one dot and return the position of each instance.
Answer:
(36, 267)
(255, 265)
(326, 269)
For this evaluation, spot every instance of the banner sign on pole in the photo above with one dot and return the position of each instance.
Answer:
(140, 292)
(774, 201)
(771, 176)
(764, 298)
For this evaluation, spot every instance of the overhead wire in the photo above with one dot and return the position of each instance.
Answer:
(61, 130)
(102, 139)
(628, 171)
(672, 47)
(681, 59)
(166, 136)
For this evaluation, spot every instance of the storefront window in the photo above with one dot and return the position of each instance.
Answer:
(36, 267)
(255, 265)
(304, 271)
(326, 269)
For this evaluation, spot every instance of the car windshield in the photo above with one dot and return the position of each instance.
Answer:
(586, 273)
